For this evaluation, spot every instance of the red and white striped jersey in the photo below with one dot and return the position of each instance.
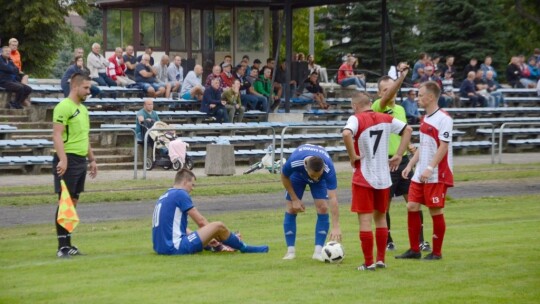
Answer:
(371, 133)
(435, 128)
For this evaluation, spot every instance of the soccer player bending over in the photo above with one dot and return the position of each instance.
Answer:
(433, 172)
(366, 137)
(170, 234)
(310, 165)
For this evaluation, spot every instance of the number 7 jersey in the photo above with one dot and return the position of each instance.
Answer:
(371, 132)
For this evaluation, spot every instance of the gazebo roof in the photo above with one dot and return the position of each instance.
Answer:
(273, 4)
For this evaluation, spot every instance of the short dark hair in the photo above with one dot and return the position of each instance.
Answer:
(184, 174)
(269, 59)
(77, 78)
(315, 163)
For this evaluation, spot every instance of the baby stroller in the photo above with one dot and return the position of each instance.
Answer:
(168, 151)
(266, 162)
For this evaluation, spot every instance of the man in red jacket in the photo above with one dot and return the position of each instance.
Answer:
(117, 68)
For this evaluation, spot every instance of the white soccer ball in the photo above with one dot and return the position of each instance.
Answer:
(333, 252)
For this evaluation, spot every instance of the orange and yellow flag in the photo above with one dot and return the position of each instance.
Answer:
(67, 215)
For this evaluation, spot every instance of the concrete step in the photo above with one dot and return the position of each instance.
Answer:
(4, 111)
(8, 119)
(107, 159)
(113, 151)
(47, 136)
(40, 125)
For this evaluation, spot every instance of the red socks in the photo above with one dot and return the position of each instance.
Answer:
(439, 227)
(415, 225)
(366, 241)
(381, 235)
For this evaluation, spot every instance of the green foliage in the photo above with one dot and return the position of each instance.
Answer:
(521, 32)
(39, 26)
(94, 22)
(490, 256)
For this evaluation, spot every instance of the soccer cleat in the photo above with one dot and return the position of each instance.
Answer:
(431, 256)
(425, 246)
(63, 253)
(289, 256)
(409, 254)
(254, 249)
(390, 246)
(380, 264)
(317, 256)
(73, 250)
(363, 267)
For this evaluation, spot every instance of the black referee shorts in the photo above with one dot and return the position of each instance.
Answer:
(400, 186)
(74, 177)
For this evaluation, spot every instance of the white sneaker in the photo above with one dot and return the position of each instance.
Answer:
(380, 264)
(317, 256)
(289, 256)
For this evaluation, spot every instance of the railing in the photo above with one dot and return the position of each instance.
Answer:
(218, 128)
(501, 134)
(135, 152)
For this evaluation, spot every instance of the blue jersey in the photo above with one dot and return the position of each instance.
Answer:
(169, 222)
(295, 165)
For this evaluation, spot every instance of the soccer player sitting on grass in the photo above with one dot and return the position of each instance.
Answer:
(310, 165)
(170, 234)
(366, 137)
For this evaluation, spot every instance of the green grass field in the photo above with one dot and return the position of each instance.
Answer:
(490, 256)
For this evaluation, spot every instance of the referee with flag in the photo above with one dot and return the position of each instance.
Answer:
(71, 128)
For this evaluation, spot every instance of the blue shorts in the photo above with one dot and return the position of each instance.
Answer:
(299, 182)
(190, 244)
(146, 85)
(187, 96)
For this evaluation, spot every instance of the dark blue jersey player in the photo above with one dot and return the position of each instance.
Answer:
(170, 233)
(310, 165)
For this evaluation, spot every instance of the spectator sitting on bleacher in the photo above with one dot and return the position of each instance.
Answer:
(227, 77)
(116, 69)
(16, 57)
(448, 89)
(280, 81)
(419, 64)
(513, 73)
(525, 80)
(471, 66)
(216, 73)
(234, 102)
(145, 77)
(192, 87)
(468, 90)
(486, 66)
(533, 68)
(212, 104)
(449, 66)
(263, 86)
(97, 64)
(482, 88)
(10, 80)
(175, 73)
(313, 91)
(76, 67)
(492, 86)
(226, 59)
(256, 65)
(411, 108)
(245, 62)
(146, 117)
(149, 52)
(130, 61)
(270, 63)
(249, 97)
(346, 76)
(162, 75)
(313, 67)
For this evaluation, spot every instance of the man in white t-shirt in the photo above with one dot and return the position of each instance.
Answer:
(366, 136)
(433, 174)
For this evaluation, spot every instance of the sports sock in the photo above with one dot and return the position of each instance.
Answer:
(413, 221)
(289, 228)
(380, 239)
(63, 236)
(234, 242)
(389, 240)
(421, 238)
(321, 228)
(439, 228)
(366, 241)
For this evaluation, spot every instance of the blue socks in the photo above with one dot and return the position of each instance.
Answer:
(321, 228)
(234, 242)
(289, 228)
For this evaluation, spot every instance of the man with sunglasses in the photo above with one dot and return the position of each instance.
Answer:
(310, 165)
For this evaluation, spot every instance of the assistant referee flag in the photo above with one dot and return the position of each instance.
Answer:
(67, 215)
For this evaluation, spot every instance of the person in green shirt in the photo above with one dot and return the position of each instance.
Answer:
(146, 117)
(71, 129)
(387, 90)
(263, 86)
(234, 102)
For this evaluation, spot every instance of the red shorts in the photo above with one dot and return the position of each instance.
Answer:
(365, 200)
(428, 194)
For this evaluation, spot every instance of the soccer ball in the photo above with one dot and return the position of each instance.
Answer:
(333, 252)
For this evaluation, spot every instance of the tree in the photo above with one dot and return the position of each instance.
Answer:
(520, 22)
(39, 26)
